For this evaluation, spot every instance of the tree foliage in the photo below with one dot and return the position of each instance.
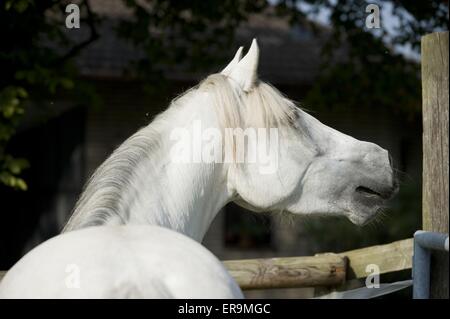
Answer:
(35, 63)
(186, 34)
(375, 73)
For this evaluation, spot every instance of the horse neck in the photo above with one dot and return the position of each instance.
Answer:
(182, 197)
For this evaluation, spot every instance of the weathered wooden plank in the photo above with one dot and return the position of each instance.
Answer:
(288, 272)
(316, 271)
(391, 257)
(435, 191)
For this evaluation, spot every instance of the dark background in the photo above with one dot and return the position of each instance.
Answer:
(68, 97)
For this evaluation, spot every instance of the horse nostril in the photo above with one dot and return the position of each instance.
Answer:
(385, 193)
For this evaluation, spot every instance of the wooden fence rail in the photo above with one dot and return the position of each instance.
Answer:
(321, 270)
(325, 270)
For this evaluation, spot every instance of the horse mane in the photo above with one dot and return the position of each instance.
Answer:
(262, 107)
(103, 199)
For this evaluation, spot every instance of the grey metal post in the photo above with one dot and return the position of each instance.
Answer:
(425, 241)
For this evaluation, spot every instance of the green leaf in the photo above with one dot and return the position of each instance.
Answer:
(21, 184)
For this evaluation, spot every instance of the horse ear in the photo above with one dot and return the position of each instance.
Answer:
(246, 71)
(237, 57)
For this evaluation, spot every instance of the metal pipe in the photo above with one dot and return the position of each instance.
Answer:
(424, 242)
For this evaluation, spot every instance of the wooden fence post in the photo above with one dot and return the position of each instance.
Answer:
(435, 193)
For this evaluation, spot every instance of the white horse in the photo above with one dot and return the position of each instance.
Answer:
(314, 170)
(119, 262)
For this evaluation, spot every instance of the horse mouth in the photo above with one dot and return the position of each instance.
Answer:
(367, 191)
(368, 201)
(384, 194)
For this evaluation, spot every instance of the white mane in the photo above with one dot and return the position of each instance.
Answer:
(262, 107)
